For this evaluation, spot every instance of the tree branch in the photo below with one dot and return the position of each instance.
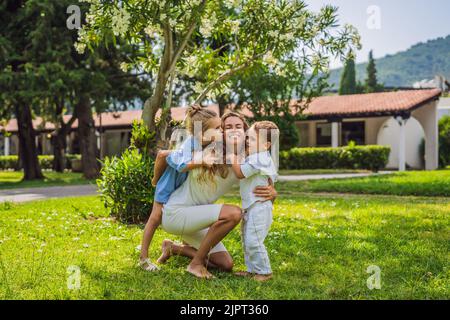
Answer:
(184, 42)
(224, 76)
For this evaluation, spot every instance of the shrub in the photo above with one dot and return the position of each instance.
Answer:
(125, 181)
(444, 141)
(352, 157)
(45, 161)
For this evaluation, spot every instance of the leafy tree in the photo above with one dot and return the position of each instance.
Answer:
(175, 40)
(444, 141)
(16, 79)
(348, 80)
(60, 81)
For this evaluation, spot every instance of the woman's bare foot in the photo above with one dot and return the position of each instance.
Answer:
(166, 251)
(199, 271)
(243, 274)
(262, 277)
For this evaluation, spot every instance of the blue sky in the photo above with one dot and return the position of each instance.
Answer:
(402, 23)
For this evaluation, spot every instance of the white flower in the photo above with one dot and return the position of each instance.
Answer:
(124, 67)
(198, 87)
(270, 59)
(120, 21)
(273, 33)
(80, 47)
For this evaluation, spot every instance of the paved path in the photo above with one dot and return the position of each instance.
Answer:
(30, 194)
(329, 176)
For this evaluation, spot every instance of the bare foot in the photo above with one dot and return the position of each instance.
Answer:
(199, 271)
(243, 274)
(166, 251)
(262, 277)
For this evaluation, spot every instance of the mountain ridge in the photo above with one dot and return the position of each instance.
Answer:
(423, 60)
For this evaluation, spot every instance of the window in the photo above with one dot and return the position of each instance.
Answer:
(354, 131)
(323, 134)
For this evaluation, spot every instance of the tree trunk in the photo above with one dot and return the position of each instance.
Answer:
(59, 144)
(27, 144)
(87, 139)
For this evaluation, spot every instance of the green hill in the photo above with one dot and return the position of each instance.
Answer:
(421, 61)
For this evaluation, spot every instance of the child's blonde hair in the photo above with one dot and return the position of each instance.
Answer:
(197, 113)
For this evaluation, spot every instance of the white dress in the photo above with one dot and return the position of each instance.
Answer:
(190, 210)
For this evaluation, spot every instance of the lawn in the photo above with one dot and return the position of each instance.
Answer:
(320, 247)
(13, 179)
(419, 183)
(287, 172)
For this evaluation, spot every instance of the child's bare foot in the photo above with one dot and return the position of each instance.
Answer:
(166, 251)
(262, 277)
(243, 274)
(199, 271)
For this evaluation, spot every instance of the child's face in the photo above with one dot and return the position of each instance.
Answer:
(256, 143)
(214, 131)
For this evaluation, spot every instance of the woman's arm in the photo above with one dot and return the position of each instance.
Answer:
(267, 192)
(160, 166)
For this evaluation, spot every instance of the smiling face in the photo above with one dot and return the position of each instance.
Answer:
(234, 131)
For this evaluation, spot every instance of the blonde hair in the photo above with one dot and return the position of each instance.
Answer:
(197, 113)
(270, 127)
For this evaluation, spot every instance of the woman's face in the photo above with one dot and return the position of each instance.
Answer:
(234, 133)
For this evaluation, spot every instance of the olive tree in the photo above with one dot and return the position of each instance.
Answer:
(211, 40)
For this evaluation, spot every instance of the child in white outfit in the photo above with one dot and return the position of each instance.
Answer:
(256, 171)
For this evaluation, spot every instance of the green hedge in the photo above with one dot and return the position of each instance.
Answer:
(353, 157)
(46, 161)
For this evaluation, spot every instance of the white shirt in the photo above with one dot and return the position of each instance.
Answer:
(193, 192)
(257, 169)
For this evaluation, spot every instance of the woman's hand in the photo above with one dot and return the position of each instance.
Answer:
(267, 192)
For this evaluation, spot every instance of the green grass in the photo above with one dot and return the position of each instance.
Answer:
(419, 183)
(320, 171)
(13, 179)
(320, 248)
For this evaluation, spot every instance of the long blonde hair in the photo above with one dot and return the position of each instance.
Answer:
(197, 113)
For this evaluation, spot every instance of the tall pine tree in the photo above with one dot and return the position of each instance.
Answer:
(371, 80)
(348, 79)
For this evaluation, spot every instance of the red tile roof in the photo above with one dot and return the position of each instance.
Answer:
(321, 107)
(371, 103)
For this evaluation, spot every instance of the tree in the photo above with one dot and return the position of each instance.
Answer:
(16, 98)
(348, 79)
(444, 141)
(175, 38)
(371, 84)
(61, 81)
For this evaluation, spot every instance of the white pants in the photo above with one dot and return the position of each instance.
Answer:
(192, 223)
(255, 227)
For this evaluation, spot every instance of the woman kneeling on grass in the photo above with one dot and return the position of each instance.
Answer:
(191, 213)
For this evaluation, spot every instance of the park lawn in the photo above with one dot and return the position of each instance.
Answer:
(414, 183)
(320, 248)
(293, 172)
(13, 179)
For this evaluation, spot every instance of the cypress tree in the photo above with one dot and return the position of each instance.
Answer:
(371, 81)
(348, 79)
